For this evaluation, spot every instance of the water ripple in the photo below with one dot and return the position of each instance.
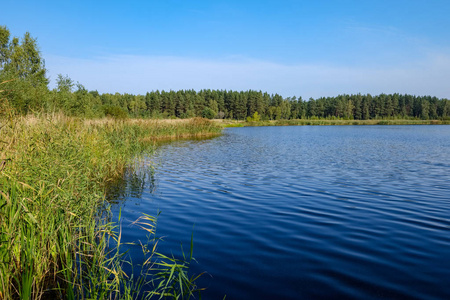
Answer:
(351, 212)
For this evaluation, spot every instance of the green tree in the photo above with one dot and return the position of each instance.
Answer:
(214, 106)
(208, 113)
(137, 106)
(81, 104)
(425, 109)
(445, 109)
(240, 108)
(388, 106)
(349, 107)
(22, 66)
(312, 108)
(358, 110)
(278, 113)
(285, 107)
(4, 46)
(63, 98)
(64, 84)
(256, 117)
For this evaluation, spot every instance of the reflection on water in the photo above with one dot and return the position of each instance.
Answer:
(303, 212)
(137, 178)
(140, 176)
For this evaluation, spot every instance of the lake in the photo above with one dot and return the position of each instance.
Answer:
(304, 212)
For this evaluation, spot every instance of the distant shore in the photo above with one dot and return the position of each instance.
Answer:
(318, 122)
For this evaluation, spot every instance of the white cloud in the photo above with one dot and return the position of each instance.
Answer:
(139, 74)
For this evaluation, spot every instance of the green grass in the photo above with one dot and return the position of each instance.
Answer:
(55, 235)
(318, 122)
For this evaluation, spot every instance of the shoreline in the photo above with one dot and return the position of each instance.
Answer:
(56, 233)
(55, 171)
(327, 122)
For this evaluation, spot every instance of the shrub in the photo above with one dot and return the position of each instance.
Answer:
(208, 113)
(115, 112)
(256, 117)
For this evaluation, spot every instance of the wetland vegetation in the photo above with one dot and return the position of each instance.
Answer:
(55, 235)
(60, 149)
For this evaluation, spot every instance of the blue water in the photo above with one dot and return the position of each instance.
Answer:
(345, 212)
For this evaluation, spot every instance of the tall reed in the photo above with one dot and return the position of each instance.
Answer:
(54, 234)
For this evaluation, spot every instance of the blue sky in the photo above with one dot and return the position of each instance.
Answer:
(302, 48)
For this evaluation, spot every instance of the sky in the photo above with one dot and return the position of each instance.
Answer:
(294, 48)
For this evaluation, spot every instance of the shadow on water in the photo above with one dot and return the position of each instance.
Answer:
(148, 271)
(125, 194)
(140, 176)
(134, 182)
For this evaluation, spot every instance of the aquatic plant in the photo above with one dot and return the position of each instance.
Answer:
(55, 237)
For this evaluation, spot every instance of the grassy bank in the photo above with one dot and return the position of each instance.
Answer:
(304, 122)
(54, 224)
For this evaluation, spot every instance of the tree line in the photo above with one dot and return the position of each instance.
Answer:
(240, 105)
(25, 88)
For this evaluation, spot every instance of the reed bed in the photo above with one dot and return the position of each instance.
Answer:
(55, 237)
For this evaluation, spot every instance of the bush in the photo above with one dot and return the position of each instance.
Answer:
(208, 113)
(256, 117)
(115, 112)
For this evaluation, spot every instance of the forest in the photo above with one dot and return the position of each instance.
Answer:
(57, 166)
(25, 86)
